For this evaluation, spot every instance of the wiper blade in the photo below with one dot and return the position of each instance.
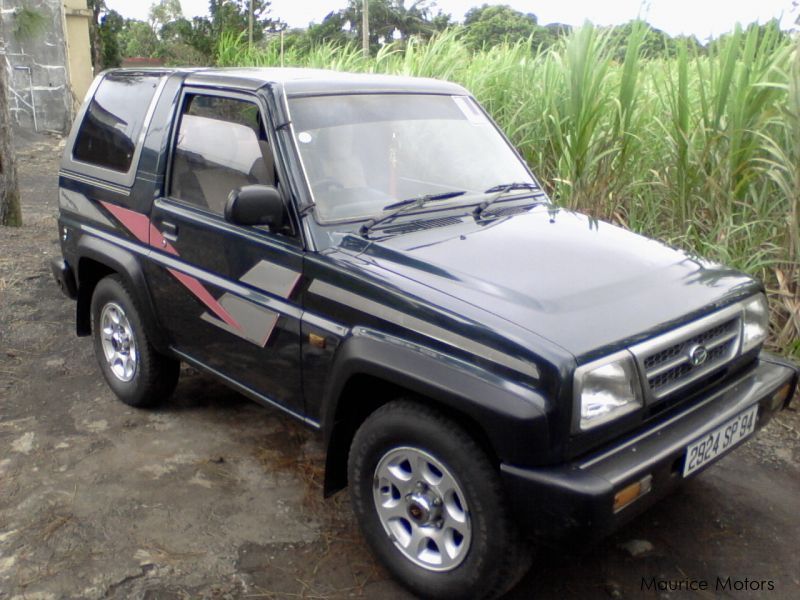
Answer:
(424, 199)
(508, 187)
(406, 205)
(500, 191)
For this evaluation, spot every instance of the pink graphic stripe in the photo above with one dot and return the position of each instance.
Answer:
(292, 286)
(194, 286)
(157, 240)
(139, 225)
(269, 333)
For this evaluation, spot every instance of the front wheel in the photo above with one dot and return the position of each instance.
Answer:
(431, 505)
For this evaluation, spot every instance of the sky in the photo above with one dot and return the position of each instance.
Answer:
(702, 18)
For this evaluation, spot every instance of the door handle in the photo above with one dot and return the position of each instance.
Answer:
(169, 231)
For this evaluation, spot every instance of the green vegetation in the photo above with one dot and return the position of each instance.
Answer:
(488, 26)
(695, 145)
(169, 36)
(701, 150)
(176, 40)
(29, 22)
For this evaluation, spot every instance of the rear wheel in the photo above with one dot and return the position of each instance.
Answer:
(136, 373)
(431, 505)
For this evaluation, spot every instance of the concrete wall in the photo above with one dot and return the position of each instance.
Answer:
(40, 93)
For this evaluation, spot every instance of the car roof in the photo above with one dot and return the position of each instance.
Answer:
(304, 82)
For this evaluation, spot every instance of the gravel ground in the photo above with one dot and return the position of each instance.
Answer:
(213, 496)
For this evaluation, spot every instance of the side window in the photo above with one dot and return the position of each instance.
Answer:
(108, 134)
(220, 146)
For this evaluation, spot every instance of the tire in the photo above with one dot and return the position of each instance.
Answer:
(459, 538)
(135, 372)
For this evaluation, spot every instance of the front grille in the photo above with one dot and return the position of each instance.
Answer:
(667, 360)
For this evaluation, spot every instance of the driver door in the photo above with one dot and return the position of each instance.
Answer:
(227, 294)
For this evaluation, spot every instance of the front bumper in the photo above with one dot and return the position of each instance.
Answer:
(64, 277)
(577, 499)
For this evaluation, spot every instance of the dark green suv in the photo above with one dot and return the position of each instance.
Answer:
(372, 256)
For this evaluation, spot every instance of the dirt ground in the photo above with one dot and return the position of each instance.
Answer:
(213, 496)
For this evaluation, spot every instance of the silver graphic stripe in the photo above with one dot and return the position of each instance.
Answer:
(257, 323)
(117, 189)
(386, 313)
(272, 278)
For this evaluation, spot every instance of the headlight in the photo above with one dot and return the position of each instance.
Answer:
(606, 389)
(755, 324)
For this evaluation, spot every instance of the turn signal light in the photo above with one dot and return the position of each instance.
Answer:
(781, 396)
(318, 341)
(632, 492)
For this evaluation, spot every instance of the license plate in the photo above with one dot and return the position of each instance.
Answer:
(716, 442)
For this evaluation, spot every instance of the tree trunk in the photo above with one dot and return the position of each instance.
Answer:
(95, 43)
(365, 27)
(10, 211)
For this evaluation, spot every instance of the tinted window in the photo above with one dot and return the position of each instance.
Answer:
(220, 147)
(107, 137)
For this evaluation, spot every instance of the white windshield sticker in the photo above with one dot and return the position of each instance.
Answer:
(470, 110)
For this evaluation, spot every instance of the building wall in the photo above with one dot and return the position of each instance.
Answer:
(41, 96)
(79, 53)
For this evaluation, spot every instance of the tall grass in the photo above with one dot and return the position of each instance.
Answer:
(702, 151)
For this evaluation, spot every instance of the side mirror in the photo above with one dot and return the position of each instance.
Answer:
(255, 205)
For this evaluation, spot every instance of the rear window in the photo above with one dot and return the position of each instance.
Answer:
(113, 121)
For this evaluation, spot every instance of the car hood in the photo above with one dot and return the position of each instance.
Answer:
(583, 284)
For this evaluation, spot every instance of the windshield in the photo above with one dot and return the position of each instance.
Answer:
(363, 152)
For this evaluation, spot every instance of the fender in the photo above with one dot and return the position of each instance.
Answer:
(511, 417)
(127, 265)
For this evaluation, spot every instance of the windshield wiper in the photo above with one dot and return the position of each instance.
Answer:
(500, 191)
(402, 206)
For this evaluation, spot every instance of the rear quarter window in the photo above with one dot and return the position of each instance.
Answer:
(113, 121)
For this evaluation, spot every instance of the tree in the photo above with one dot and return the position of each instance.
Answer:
(441, 21)
(331, 30)
(655, 43)
(232, 16)
(137, 38)
(412, 20)
(200, 37)
(98, 7)
(10, 210)
(385, 18)
(163, 12)
(111, 24)
(104, 28)
(495, 25)
(170, 36)
(185, 42)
